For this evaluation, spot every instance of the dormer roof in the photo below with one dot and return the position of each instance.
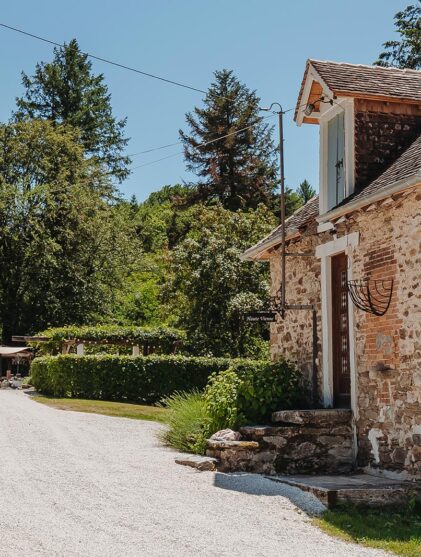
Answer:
(357, 80)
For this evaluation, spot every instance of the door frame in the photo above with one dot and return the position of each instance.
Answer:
(325, 252)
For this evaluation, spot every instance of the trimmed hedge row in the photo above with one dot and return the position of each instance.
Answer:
(161, 338)
(138, 379)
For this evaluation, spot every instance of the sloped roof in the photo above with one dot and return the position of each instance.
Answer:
(293, 224)
(365, 81)
(406, 166)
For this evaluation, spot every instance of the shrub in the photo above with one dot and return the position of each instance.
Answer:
(250, 394)
(110, 377)
(162, 339)
(237, 391)
(188, 422)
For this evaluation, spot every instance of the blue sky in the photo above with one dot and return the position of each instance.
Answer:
(265, 42)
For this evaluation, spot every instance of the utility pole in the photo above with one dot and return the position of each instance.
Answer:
(280, 114)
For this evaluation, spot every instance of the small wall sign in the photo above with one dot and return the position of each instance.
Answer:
(261, 317)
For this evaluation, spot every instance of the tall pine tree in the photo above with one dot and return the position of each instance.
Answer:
(65, 91)
(239, 170)
(305, 191)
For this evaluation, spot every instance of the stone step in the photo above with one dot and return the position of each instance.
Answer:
(286, 450)
(358, 489)
(201, 463)
(314, 418)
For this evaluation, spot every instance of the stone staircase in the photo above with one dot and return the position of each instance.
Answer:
(298, 442)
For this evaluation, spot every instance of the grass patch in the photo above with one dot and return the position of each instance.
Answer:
(397, 532)
(115, 409)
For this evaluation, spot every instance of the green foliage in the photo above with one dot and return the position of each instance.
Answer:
(188, 422)
(122, 378)
(264, 386)
(305, 191)
(210, 288)
(64, 249)
(65, 91)
(221, 398)
(162, 339)
(239, 171)
(250, 394)
(406, 52)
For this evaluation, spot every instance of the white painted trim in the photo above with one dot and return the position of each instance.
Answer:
(325, 252)
(396, 187)
(312, 75)
(324, 227)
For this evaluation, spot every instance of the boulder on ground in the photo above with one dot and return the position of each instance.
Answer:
(226, 435)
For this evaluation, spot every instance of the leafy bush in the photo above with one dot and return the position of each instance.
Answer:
(250, 394)
(240, 394)
(221, 400)
(161, 339)
(110, 377)
(188, 422)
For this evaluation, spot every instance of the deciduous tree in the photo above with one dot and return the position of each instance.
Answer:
(406, 52)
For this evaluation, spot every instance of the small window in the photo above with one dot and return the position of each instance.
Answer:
(336, 161)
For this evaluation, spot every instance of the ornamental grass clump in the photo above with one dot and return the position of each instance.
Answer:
(188, 422)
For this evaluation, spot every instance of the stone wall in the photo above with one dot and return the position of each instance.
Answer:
(383, 130)
(292, 338)
(388, 348)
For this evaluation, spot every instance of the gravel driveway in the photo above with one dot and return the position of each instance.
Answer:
(76, 484)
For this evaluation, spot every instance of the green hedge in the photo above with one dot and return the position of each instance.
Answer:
(162, 339)
(138, 379)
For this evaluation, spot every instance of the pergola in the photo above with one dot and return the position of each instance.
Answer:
(15, 353)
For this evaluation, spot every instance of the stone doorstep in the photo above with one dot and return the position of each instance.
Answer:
(314, 418)
(359, 489)
(201, 463)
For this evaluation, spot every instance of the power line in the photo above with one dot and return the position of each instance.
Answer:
(93, 56)
(201, 144)
(207, 143)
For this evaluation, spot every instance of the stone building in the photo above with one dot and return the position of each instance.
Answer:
(361, 235)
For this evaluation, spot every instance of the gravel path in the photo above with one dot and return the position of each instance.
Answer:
(76, 484)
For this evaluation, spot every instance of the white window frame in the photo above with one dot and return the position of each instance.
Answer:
(327, 113)
(325, 252)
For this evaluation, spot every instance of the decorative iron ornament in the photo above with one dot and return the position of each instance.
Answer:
(372, 296)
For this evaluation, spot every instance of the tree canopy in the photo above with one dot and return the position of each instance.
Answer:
(239, 171)
(66, 91)
(211, 288)
(63, 247)
(406, 52)
(305, 191)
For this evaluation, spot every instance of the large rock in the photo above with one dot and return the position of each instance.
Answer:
(226, 435)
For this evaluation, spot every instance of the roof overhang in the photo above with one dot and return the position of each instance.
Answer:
(312, 88)
(383, 193)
